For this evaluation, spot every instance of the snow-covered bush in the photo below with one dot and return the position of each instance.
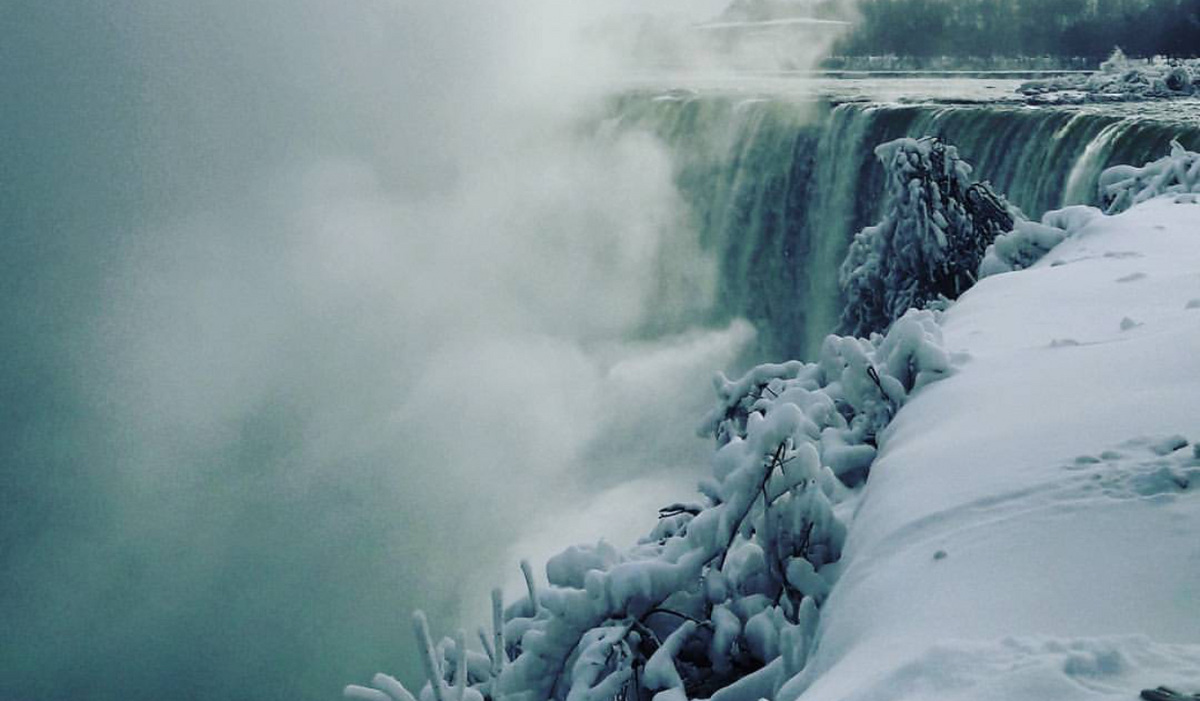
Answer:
(722, 599)
(1123, 186)
(936, 225)
(1029, 241)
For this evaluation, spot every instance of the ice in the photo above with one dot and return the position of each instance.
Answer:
(816, 564)
(1119, 80)
(1065, 578)
(391, 687)
(364, 694)
(1121, 187)
(567, 569)
(929, 243)
(660, 672)
(1169, 444)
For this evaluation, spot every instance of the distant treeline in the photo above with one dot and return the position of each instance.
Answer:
(1064, 28)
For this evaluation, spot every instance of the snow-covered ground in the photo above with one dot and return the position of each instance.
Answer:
(1031, 528)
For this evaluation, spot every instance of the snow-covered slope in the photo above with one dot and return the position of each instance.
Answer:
(1031, 529)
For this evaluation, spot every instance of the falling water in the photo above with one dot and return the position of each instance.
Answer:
(779, 186)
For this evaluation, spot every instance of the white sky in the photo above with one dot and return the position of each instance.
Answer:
(696, 9)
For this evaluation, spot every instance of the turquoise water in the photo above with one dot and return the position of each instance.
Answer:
(780, 182)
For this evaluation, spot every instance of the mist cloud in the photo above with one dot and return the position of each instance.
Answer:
(338, 301)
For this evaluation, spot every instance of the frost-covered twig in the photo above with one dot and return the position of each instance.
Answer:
(1123, 186)
(460, 668)
(498, 631)
(433, 670)
(531, 586)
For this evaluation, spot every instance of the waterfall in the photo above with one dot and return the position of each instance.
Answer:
(778, 187)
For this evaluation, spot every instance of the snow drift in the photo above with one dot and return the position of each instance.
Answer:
(1029, 528)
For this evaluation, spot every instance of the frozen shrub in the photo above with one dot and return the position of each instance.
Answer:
(1029, 241)
(1123, 186)
(722, 599)
(936, 225)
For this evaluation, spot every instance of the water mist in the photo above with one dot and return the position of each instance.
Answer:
(311, 311)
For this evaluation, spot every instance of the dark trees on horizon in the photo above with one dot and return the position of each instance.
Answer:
(1062, 28)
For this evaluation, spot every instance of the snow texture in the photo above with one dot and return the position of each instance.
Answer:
(1119, 80)
(1058, 483)
(1177, 174)
(1030, 241)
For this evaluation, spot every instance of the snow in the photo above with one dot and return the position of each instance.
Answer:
(927, 247)
(1056, 482)
(1119, 80)
(1028, 529)
(1029, 241)
(741, 575)
(1178, 173)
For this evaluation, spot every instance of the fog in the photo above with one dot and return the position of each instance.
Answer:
(313, 313)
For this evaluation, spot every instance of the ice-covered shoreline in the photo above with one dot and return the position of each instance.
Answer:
(1119, 80)
(1029, 527)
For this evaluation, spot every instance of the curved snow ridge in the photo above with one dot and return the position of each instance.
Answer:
(1030, 527)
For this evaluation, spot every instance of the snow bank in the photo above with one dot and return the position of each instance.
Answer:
(1120, 188)
(1030, 527)
(1030, 241)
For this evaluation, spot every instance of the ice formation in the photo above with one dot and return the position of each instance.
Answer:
(1119, 80)
(1123, 186)
(1029, 241)
(722, 599)
(935, 228)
